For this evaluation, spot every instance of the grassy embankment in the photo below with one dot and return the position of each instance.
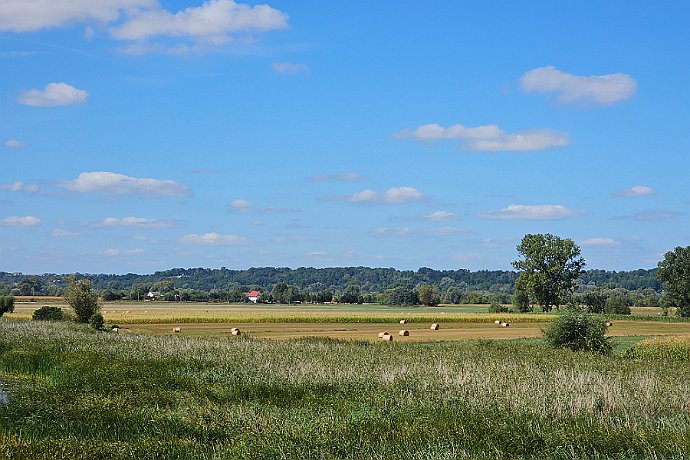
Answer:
(75, 393)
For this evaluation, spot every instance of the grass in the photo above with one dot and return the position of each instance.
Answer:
(75, 393)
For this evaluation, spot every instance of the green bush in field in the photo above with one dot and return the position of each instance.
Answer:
(496, 307)
(6, 304)
(617, 305)
(82, 298)
(48, 313)
(577, 330)
(96, 321)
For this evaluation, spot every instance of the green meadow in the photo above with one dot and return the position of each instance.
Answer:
(71, 392)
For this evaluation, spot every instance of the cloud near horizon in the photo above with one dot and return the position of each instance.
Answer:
(489, 138)
(595, 89)
(110, 183)
(598, 241)
(531, 212)
(214, 239)
(53, 95)
(139, 222)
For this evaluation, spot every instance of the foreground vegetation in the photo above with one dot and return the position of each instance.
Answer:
(77, 393)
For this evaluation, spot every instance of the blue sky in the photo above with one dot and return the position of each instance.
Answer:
(141, 135)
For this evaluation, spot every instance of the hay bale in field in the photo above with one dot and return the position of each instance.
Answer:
(609, 324)
(381, 334)
(387, 338)
(115, 329)
(177, 329)
(505, 324)
(498, 321)
(435, 327)
(403, 332)
(235, 331)
(403, 321)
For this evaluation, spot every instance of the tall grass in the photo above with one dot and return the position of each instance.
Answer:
(81, 394)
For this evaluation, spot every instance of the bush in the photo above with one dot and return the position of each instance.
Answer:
(6, 304)
(96, 321)
(617, 305)
(577, 330)
(496, 307)
(82, 298)
(48, 313)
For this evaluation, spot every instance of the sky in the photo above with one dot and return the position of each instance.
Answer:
(142, 135)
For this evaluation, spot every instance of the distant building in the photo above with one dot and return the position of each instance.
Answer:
(253, 296)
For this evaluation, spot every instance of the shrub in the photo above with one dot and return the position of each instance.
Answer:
(6, 304)
(48, 313)
(617, 305)
(577, 330)
(82, 298)
(96, 321)
(496, 307)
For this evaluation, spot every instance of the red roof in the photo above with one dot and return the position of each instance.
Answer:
(253, 294)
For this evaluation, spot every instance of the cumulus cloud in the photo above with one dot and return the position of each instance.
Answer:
(214, 239)
(598, 241)
(53, 95)
(531, 212)
(241, 205)
(139, 222)
(440, 215)
(638, 190)
(594, 89)
(20, 187)
(489, 138)
(20, 221)
(391, 196)
(346, 176)
(213, 22)
(119, 184)
(28, 16)
(14, 144)
(289, 68)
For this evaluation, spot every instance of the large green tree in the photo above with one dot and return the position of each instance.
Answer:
(674, 272)
(82, 298)
(549, 268)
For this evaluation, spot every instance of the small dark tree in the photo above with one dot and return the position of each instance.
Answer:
(520, 299)
(402, 295)
(617, 304)
(428, 295)
(82, 298)
(674, 272)
(595, 301)
(48, 313)
(96, 321)
(577, 331)
(6, 304)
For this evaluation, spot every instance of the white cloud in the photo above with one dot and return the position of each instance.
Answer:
(595, 89)
(391, 196)
(140, 222)
(111, 252)
(20, 187)
(531, 212)
(120, 184)
(638, 190)
(440, 215)
(30, 15)
(213, 22)
(346, 176)
(214, 239)
(241, 205)
(598, 241)
(289, 68)
(489, 138)
(14, 144)
(53, 95)
(20, 221)
(401, 231)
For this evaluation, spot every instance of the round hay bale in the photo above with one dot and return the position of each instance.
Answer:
(403, 321)
(435, 327)
(177, 329)
(609, 324)
(115, 329)
(235, 331)
(403, 332)
(498, 321)
(505, 324)
(387, 338)
(381, 334)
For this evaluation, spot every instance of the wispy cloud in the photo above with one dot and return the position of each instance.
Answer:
(346, 177)
(14, 144)
(393, 195)
(20, 187)
(594, 89)
(599, 241)
(438, 232)
(290, 68)
(245, 206)
(138, 222)
(110, 183)
(214, 239)
(638, 190)
(650, 215)
(20, 221)
(62, 233)
(531, 212)
(440, 215)
(53, 95)
(489, 138)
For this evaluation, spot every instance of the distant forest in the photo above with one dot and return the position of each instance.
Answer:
(454, 286)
